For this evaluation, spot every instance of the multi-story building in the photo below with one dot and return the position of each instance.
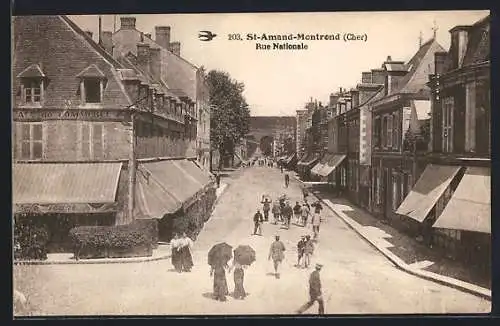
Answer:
(456, 204)
(79, 114)
(394, 165)
(301, 132)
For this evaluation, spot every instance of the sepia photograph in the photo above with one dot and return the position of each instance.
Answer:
(305, 163)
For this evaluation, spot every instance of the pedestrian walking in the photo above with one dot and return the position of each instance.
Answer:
(220, 283)
(305, 214)
(308, 251)
(281, 167)
(288, 214)
(315, 293)
(301, 245)
(316, 221)
(175, 244)
(186, 259)
(305, 193)
(266, 207)
(217, 178)
(276, 211)
(287, 180)
(297, 209)
(318, 208)
(276, 252)
(257, 221)
(239, 276)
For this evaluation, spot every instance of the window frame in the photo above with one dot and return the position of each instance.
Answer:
(447, 112)
(31, 141)
(389, 132)
(83, 90)
(91, 129)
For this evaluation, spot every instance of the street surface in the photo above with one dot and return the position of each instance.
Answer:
(356, 278)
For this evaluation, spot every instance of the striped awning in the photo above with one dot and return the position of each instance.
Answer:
(429, 188)
(469, 208)
(166, 186)
(321, 164)
(65, 187)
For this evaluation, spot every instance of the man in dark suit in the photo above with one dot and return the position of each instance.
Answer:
(257, 221)
(314, 292)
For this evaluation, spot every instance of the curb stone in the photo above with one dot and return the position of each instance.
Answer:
(444, 280)
(92, 261)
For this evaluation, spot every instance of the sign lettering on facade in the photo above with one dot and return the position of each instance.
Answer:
(82, 114)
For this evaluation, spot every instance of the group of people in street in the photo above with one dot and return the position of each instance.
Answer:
(220, 288)
(181, 258)
(305, 250)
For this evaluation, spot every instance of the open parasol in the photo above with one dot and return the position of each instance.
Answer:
(220, 254)
(244, 255)
(266, 196)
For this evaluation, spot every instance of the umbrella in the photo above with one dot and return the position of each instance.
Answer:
(244, 255)
(283, 197)
(266, 196)
(220, 254)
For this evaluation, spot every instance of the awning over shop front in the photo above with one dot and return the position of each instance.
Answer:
(320, 165)
(65, 187)
(165, 186)
(426, 192)
(469, 208)
(333, 162)
(291, 158)
(309, 160)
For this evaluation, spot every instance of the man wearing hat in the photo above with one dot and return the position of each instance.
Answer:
(314, 292)
(257, 221)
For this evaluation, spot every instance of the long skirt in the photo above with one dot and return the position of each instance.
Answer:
(186, 259)
(220, 284)
(239, 290)
(176, 259)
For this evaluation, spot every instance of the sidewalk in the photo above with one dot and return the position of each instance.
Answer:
(405, 252)
(162, 252)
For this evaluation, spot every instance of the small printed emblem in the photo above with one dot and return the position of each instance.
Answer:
(206, 36)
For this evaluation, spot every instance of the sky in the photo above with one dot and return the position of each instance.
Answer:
(277, 83)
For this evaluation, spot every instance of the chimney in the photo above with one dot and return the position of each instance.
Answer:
(378, 76)
(148, 35)
(127, 22)
(155, 63)
(143, 56)
(439, 62)
(89, 34)
(162, 36)
(107, 41)
(175, 48)
(355, 98)
(459, 39)
(366, 77)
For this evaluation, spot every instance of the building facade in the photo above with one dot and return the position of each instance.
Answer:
(87, 120)
(461, 138)
(395, 167)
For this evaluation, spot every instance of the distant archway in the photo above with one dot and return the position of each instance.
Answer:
(266, 145)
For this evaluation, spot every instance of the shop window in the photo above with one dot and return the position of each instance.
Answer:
(31, 141)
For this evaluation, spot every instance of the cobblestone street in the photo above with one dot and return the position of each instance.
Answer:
(356, 278)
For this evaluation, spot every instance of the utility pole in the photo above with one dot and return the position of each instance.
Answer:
(132, 168)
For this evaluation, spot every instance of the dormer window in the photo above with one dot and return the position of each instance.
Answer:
(92, 83)
(32, 85)
(32, 91)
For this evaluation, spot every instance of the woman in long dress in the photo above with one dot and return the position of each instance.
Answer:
(239, 276)
(185, 251)
(176, 255)
(220, 283)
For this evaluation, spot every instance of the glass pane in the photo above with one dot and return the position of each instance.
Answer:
(25, 132)
(92, 91)
(85, 150)
(37, 132)
(25, 150)
(36, 90)
(27, 94)
(97, 134)
(37, 150)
